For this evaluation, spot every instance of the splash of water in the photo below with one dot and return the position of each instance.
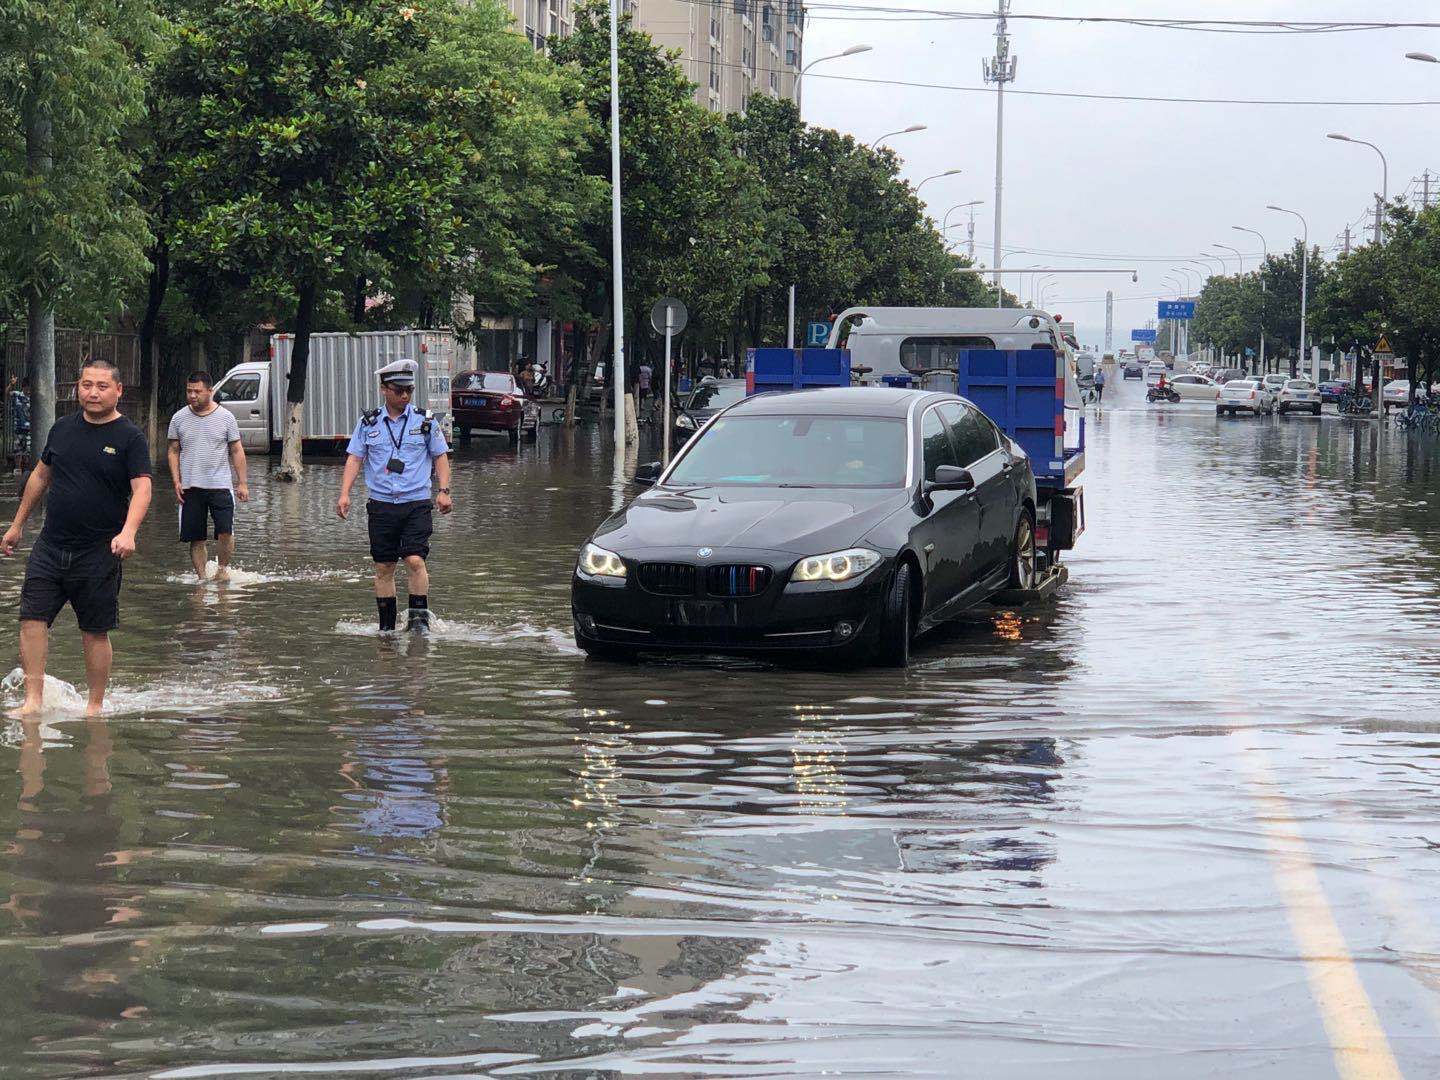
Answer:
(58, 696)
(241, 579)
(450, 631)
(203, 697)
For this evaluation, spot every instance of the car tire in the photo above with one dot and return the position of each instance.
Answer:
(464, 430)
(893, 647)
(514, 434)
(1315, 411)
(1023, 560)
(1219, 411)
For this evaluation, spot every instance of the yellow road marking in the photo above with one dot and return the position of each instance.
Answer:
(1357, 1039)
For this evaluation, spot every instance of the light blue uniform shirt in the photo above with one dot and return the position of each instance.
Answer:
(374, 444)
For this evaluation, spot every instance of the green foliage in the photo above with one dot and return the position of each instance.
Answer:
(72, 79)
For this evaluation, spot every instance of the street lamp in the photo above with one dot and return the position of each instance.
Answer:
(945, 222)
(903, 131)
(1187, 271)
(853, 50)
(1304, 281)
(1239, 259)
(1264, 247)
(1422, 56)
(937, 176)
(1384, 181)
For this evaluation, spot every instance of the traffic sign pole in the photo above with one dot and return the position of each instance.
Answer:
(669, 332)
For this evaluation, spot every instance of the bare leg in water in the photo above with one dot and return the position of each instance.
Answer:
(198, 557)
(98, 656)
(224, 552)
(34, 651)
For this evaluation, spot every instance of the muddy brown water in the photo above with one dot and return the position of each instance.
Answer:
(1183, 822)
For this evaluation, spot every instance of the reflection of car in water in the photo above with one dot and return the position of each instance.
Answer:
(838, 521)
(705, 401)
(492, 401)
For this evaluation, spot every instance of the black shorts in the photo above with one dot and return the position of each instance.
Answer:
(88, 578)
(399, 529)
(201, 504)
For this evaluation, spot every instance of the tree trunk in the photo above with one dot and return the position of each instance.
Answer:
(357, 303)
(40, 366)
(159, 283)
(291, 465)
(40, 306)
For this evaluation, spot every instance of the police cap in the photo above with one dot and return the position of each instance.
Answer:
(401, 372)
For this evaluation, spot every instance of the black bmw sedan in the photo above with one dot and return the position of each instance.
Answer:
(841, 522)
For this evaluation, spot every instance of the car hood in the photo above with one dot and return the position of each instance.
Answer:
(799, 521)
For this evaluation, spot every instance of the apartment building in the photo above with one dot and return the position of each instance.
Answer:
(731, 49)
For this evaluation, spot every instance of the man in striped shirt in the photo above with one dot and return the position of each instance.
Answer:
(205, 449)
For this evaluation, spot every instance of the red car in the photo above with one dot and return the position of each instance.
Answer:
(492, 401)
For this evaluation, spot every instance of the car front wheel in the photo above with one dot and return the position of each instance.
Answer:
(893, 648)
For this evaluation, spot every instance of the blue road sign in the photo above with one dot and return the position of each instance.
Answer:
(1177, 309)
(1144, 335)
(817, 333)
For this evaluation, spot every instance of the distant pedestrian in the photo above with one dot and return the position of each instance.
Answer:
(20, 422)
(204, 452)
(1099, 383)
(644, 375)
(95, 475)
(397, 446)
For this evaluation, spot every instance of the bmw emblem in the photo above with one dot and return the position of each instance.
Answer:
(704, 553)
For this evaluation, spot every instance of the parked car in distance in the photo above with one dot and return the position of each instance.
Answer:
(1331, 389)
(1298, 395)
(703, 402)
(1244, 395)
(1134, 369)
(1275, 382)
(1153, 372)
(492, 401)
(1194, 388)
(838, 522)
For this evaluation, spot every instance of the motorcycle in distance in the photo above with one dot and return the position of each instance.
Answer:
(1162, 393)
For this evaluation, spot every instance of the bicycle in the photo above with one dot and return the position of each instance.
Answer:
(1353, 403)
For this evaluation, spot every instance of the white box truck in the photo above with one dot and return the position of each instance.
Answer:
(340, 383)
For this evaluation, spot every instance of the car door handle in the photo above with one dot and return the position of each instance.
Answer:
(255, 412)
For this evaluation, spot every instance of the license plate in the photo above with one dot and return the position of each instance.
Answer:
(472, 402)
(704, 613)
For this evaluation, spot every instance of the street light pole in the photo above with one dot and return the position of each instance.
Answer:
(945, 222)
(937, 176)
(617, 286)
(1384, 182)
(799, 79)
(903, 131)
(1000, 70)
(1304, 284)
(1239, 259)
(1264, 247)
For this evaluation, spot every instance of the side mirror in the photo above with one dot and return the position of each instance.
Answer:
(951, 478)
(648, 473)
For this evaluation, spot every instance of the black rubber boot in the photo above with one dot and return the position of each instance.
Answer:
(386, 606)
(418, 613)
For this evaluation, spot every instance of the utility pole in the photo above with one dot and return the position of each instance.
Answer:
(1347, 239)
(1379, 209)
(971, 235)
(1000, 70)
(1425, 190)
(1109, 321)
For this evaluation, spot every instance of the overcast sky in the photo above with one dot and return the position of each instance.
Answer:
(1161, 181)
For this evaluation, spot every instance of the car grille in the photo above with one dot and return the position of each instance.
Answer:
(736, 580)
(667, 579)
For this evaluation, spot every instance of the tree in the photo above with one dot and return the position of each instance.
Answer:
(1281, 311)
(70, 226)
(315, 156)
(1413, 255)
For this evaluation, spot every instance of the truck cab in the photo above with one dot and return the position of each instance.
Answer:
(245, 391)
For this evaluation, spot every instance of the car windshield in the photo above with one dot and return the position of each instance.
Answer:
(715, 395)
(796, 451)
(497, 381)
(1299, 384)
(1240, 384)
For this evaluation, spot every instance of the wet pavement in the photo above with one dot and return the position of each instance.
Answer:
(1184, 822)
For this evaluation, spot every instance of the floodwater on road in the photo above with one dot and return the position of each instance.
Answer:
(1183, 822)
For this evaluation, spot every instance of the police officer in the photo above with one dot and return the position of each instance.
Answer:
(397, 445)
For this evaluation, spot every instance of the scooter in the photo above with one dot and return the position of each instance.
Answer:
(1161, 393)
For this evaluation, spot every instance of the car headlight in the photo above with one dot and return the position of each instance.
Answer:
(836, 566)
(686, 421)
(597, 562)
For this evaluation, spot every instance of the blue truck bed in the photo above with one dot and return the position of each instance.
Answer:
(1023, 391)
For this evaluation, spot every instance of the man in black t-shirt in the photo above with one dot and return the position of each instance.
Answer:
(96, 468)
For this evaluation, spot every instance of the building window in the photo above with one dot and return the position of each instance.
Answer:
(767, 22)
(792, 12)
(714, 69)
(774, 81)
(792, 48)
(742, 7)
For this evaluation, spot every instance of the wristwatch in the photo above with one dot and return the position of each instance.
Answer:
(444, 491)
